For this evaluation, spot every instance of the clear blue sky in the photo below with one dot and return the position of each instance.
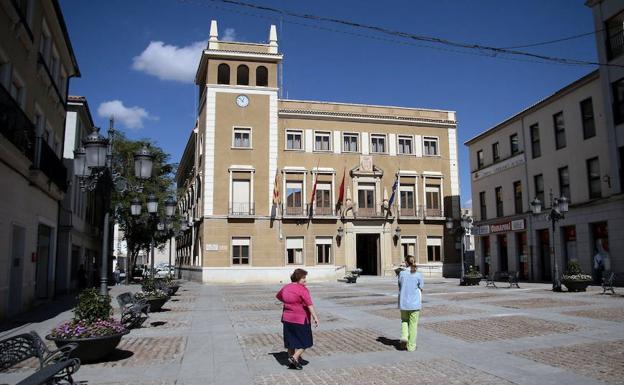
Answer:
(137, 58)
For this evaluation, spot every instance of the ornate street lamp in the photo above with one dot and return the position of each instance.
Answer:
(152, 204)
(170, 206)
(461, 230)
(143, 162)
(558, 208)
(80, 163)
(96, 149)
(135, 207)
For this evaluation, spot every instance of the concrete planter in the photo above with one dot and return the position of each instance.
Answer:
(575, 286)
(471, 281)
(90, 349)
(156, 303)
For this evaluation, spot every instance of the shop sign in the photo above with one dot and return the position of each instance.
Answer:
(212, 247)
(482, 230)
(498, 167)
(518, 224)
(500, 227)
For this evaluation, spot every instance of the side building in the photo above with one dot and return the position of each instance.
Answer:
(561, 146)
(36, 63)
(271, 184)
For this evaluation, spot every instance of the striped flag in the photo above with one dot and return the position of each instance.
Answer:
(394, 188)
(341, 190)
(276, 192)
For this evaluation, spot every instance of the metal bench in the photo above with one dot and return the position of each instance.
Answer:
(353, 276)
(133, 311)
(55, 366)
(489, 280)
(513, 279)
(608, 280)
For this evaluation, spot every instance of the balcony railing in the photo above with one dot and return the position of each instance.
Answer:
(242, 209)
(15, 125)
(410, 212)
(294, 211)
(615, 44)
(369, 212)
(52, 166)
(434, 213)
(323, 211)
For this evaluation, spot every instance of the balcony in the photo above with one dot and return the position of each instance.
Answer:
(615, 43)
(41, 61)
(294, 211)
(324, 211)
(369, 212)
(15, 125)
(52, 166)
(242, 209)
(410, 212)
(431, 213)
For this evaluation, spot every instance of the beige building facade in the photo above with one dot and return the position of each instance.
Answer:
(36, 62)
(261, 178)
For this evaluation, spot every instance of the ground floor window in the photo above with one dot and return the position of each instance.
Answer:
(240, 251)
(503, 262)
(294, 250)
(323, 250)
(408, 247)
(523, 255)
(434, 249)
(485, 252)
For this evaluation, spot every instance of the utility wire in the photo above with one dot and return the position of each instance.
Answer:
(554, 41)
(494, 51)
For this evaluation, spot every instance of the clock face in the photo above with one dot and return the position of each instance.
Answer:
(242, 100)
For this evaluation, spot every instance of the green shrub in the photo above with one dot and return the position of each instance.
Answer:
(92, 306)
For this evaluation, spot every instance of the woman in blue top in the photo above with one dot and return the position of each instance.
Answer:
(410, 295)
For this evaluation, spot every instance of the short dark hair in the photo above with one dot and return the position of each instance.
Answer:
(297, 275)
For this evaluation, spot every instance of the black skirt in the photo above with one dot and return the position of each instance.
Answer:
(297, 336)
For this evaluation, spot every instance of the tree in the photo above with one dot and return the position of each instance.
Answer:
(141, 230)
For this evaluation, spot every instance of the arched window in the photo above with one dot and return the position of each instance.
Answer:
(262, 76)
(242, 75)
(223, 74)
(198, 187)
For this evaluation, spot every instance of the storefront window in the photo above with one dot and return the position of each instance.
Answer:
(523, 255)
(485, 250)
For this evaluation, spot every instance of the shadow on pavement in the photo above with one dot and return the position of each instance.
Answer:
(282, 358)
(390, 342)
(41, 312)
(115, 356)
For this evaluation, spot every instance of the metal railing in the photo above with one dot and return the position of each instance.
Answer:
(410, 212)
(242, 209)
(368, 212)
(323, 211)
(615, 43)
(15, 125)
(52, 166)
(434, 213)
(294, 211)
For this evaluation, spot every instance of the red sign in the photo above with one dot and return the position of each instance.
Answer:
(499, 227)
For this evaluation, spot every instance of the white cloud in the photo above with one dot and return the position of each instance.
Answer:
(130, 117)
(468, 204)
(229, 35)
(170, 62)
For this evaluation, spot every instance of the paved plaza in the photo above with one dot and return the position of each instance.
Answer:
(467, 335)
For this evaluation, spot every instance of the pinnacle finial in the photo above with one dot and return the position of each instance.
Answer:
(273, 39)
(214, 32)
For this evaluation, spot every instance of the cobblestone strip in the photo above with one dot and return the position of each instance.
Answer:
(601, 360)
(247, 320)
(535, 303)
(469, 296)
(427, 311)
(145, 351)
(255, 306)
(386, 300)
(414, 372)
(326, 343)
(499, 328)
(606, 314)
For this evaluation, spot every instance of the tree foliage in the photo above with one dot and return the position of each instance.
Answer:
(138, 231)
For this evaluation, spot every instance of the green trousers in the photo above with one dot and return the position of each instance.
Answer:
(409, 327)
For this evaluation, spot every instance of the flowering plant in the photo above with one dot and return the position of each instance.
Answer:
(575, 273)
(472, 273)
(92, 318)
(83, 329)
(156, 293)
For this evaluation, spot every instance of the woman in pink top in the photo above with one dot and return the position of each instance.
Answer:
(298, 309)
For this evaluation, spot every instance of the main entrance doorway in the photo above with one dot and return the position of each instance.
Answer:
(367, 251)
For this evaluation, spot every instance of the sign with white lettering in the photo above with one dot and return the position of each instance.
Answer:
(515, 225)
(498, 167)
(518, 224)
(212, 247)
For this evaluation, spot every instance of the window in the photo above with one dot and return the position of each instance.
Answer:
(517, 186)
(564, 182)
(262, 76)
(513, 144)
(536, 151)
(223, 74)
(240, 251)
(366, 199)
(615, 35)
(322, 199)
(587, 115)
(495, 153)
(378, 143)
(480, 160)
(405, 145)
(323, 250)
(294, 198)
(5, 72)
(241, 138)
(241, 197)
(434, 248)
(593, 178)
(322, 141)
(538, 180)
(408, 247)
(618, 101)
(560, 138)
(431, 146)
(482, 205)
(17, 91)
(45, 43)
(294, 250)
(432, 197)
(498, 193)
(294, 140)
(407, 201)
(242, 75)
(350, 142)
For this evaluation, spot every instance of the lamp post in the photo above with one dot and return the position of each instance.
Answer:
(170, 206)
(94, 163)
(464, 228)
(558, 208)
